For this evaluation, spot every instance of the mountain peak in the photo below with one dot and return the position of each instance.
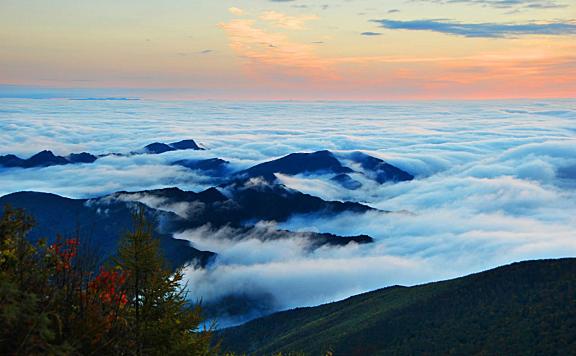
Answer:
(157, 148)
(185, 145)
(43, 154)
(299, 163)
(45, 158)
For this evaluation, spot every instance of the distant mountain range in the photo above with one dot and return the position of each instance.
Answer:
(326, 162)
(103, 220)
(314, 163)
(100, 222)
(526, 308)
(241, 200)
(159, 147)
(47, 158)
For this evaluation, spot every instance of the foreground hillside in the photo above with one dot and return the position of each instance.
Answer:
(525, 308)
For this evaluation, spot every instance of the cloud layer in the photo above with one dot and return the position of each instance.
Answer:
(494, 183)
(505, 4)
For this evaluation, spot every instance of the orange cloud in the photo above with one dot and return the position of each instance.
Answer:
(522, 71)
(272, 54)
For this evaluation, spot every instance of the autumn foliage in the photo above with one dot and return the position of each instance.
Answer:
(54, 301)
(108, 286)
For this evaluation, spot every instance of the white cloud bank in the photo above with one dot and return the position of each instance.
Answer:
(488, 189)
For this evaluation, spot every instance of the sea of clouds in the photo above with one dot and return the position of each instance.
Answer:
(495, 183)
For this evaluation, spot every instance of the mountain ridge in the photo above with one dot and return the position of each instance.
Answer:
(47, 158)
(522, 308)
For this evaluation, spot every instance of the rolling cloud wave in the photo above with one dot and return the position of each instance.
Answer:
(495, 183)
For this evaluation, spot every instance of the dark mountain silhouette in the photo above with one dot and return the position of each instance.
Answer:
(245, 203)
(100, 221)
(379, 170)
(177, 195)
(159, 147)
(11, 161)
(325, 162)
(258, 199)
(215, 167)
(525, 308)
(320, 162)
(45, 159)
(297, 163)
(216, 209)
(83, 157)
(185, 145)
(105, 219)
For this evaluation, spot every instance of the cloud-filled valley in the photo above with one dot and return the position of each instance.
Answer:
(494, 183)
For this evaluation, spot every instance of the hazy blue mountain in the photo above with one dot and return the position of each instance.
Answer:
(101, 222)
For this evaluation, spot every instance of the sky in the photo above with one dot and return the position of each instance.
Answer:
(288, 49)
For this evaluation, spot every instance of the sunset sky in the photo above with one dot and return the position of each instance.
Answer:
(289, 49)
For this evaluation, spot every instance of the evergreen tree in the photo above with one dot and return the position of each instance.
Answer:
(161, 321)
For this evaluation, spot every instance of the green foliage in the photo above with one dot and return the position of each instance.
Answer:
(52, 301)
(161, 321)
(28, 325)
(526, 308)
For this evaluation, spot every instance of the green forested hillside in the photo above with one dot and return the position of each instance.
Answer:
(526, 308)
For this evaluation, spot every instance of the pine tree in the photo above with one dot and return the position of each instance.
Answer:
(161, 321)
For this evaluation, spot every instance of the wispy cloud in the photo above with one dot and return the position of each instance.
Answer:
(504, 4)
(272, 53)
(273, 59)
(286, 21)
(486, 30)
(236, 11)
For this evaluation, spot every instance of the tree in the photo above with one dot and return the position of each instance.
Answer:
(29, 324)
(161, 320)
(52, 301)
